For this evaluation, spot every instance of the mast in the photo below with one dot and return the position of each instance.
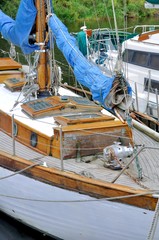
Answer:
(119, 65)
(43, 76)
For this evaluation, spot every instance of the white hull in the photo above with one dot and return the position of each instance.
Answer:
(88, 220)
(145, 102)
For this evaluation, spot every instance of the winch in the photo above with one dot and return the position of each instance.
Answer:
(114, 154)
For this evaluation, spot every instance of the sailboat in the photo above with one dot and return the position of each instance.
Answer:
(68, 167)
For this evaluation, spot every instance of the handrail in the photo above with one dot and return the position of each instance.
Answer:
(144, 27)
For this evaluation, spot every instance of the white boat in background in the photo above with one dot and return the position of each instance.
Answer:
(141, 69)
(100, 45)
(151, 4)
(137, 59)
(138, 62)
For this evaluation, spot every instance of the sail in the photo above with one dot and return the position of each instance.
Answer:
(17, 31)
(85, 72)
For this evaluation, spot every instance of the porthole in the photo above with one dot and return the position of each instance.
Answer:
(33, 139)
(15, 129)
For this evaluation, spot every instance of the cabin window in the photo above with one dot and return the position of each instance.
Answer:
(140, 58)
(127, 55)
(154, 61)
(143, 59)
(152, 86)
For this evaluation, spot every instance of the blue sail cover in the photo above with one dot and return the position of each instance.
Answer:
(86, 73)
(17, 31)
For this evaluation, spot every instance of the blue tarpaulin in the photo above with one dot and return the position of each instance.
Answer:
(17, 31)
(86, 73)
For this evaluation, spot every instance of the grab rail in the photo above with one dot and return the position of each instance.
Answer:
(144, 28)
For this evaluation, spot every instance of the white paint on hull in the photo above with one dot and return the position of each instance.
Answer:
(97, 220)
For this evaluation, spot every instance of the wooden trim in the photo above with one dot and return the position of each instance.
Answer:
(9, 64)
(10, 74)
(94, 126)
(24, 134)
(91, 138)
(145, 36)
(74, 182)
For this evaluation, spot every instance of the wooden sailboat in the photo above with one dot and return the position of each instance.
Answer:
(59, 153)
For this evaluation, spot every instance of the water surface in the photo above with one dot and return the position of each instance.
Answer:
(14, 230)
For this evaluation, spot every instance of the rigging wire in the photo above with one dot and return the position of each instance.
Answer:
(106, 10)
(96, 15)
(86, 200)
(154, 223)
(125, 17)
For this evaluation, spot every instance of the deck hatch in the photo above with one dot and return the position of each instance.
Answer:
(81, 118)
(56, 105)
(84, 116)
(82, 101)
(40, 105)
(14, 84)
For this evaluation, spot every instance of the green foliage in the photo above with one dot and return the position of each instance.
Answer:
(10, 7)
(74, 10)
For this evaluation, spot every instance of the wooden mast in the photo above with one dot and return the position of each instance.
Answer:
(43, 77)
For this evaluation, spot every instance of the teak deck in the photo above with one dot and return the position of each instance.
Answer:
(91, 178)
